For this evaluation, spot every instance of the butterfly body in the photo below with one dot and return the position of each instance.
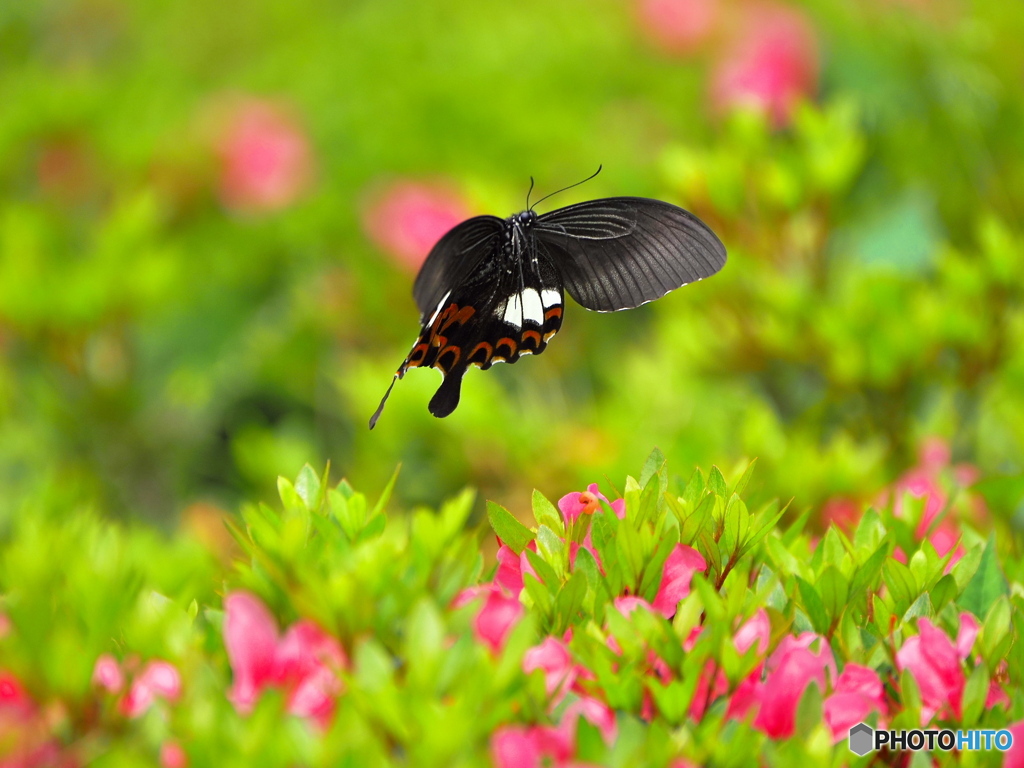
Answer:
(492, 289)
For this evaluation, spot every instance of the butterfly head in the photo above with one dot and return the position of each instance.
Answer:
(524, 219)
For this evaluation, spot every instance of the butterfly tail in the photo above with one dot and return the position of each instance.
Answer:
(380, 408)
(446, 399)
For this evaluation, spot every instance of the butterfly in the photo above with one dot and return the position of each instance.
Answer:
(492, 290)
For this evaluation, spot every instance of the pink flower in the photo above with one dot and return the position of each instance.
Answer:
(250, 636)
(553, 657)
(307, 662)
(790, 670)
(304, 663)
(172, 755)
(572, 505)
(107, 674)
(857, 693)
(934, 662)
(678, 26)
(510, 570)
(158, 679)
(266, 160)
(498, 616)
(515, 747)
(408, 219)
(14, 700)
(757, 629)
(629, 603)
(842, 513)
(770, 65)
(594, 711)
(1014, 757)
(680, 566)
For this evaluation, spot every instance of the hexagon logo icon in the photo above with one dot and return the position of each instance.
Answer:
(862, 739)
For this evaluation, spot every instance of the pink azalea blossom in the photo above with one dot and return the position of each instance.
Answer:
(629, 603)
(305, 662)
(934, 661)
(408, 219)
(770, 64)
(572, 505)
(497, 617)
(678, 26)
(265, 156)
(553, 657)
(172, 755)
(158, 679)
(842, 513)
(510, 572)
(594, 711)
(1014, 756)
(790, 669)
(680, 566)
(857, 693)
(107, 674)
(250, 636)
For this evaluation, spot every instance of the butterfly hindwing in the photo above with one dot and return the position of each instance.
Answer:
(621, 252)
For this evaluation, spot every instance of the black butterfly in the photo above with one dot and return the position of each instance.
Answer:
(491, 290)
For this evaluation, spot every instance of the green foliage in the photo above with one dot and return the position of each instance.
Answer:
(419, 685)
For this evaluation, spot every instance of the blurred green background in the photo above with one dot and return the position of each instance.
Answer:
(211, 216)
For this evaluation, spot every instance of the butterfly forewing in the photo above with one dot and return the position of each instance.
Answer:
(454, 258)
(621, 252)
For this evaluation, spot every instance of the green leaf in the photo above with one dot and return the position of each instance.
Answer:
(808, 711)
(834, 591)
(741, 484)
(901, 583)
(385, 495)
(995, 631)
(694, 490)
(943, 592)
(545, 513)
(693, 524)
(987, 585)
(717, 484)
(975, 694)
(553, 550)
(654, 465)
(814, 606)
(307, 486)
(508, 528)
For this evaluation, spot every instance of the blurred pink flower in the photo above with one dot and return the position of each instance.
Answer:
(1014, 756)
(172, 755)
(305, 662)
(408, 219)
(629, 603)
(770, 64)
(842, 513)
(158, 679)
(857, 693)
(553, 657)
(13, 697)
(790, 669)
(265, 158)
(678, 26)
(496, 618)
(755, 630)
(572, 505)
(107, 674)
(516, 746)
(510, 571)
(680, 566)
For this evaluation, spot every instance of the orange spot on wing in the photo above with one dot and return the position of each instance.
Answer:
(553, 312)
(531, 334)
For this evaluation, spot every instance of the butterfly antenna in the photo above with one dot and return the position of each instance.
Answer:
(563, 189)
(528, 192)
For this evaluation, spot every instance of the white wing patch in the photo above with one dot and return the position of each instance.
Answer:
(437, 311)
(550, 298)
(533, 312)
(514, 311)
